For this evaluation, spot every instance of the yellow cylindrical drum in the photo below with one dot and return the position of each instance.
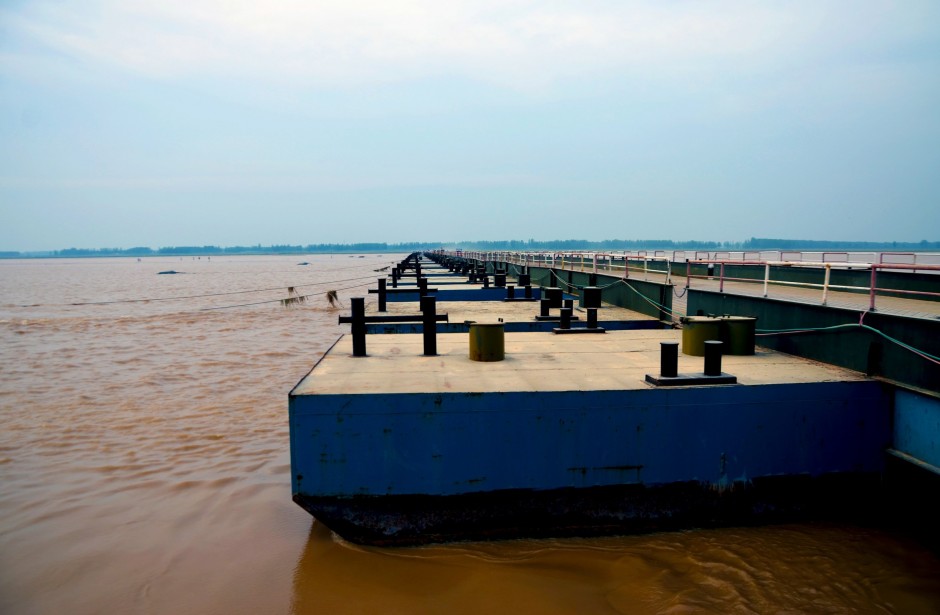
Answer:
(738, 334)
(696, 330)
(487, 342)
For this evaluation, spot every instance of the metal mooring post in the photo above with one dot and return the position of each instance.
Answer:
(528, 291)
(592, 318)
(429, 325)
(669, 359)
(713, 358)
(394, 277)
(510, 292)
(358, 325)
(592, 296)
(544, 306)
(565, 321)
(382, 294)
(423, 287)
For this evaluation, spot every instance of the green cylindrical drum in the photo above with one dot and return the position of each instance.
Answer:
(738, 334)
(696, 330)
(487, 342)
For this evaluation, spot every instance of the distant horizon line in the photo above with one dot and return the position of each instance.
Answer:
(752, 244)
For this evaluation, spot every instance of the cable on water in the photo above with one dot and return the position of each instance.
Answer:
(236, 292)
(301, 298)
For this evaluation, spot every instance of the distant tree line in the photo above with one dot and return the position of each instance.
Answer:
(751, 244)
(855, 246)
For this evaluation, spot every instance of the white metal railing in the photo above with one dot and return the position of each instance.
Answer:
(789, 256)
(623, 264)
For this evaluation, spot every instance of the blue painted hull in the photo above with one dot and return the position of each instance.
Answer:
(412, 468)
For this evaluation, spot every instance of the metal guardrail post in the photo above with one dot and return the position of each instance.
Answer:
(826, 284)
(766, 277)
(721, 278)
(874, 275)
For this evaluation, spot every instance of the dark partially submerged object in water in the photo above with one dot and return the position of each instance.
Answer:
(168, 272)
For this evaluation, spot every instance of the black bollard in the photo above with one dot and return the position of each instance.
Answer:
(544, 307)
(669, 359)
(499, 280)
(429, 325)
(554, 296)
(510, 292)
(592, 279)
(524, 279)
(528, 291)
(394, 277)
(382, 294)
(423, 287)
(569, 303)
(713, 358)
(486, 281)
(565, 320)
(591, 297)
(358, 325)
(592, 318)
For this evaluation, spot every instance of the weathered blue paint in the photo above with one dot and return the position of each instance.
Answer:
(459, 443)
(511, 327)
(917, 427)
(464, 294)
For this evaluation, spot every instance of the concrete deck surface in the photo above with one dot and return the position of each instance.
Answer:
(616, 360)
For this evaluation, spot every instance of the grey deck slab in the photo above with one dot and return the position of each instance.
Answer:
(617, 360)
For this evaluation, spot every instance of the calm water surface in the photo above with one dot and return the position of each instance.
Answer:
(144, 468)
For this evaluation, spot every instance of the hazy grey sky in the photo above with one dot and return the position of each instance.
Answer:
(154, 123)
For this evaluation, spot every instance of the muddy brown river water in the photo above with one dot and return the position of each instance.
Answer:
(144, 468)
